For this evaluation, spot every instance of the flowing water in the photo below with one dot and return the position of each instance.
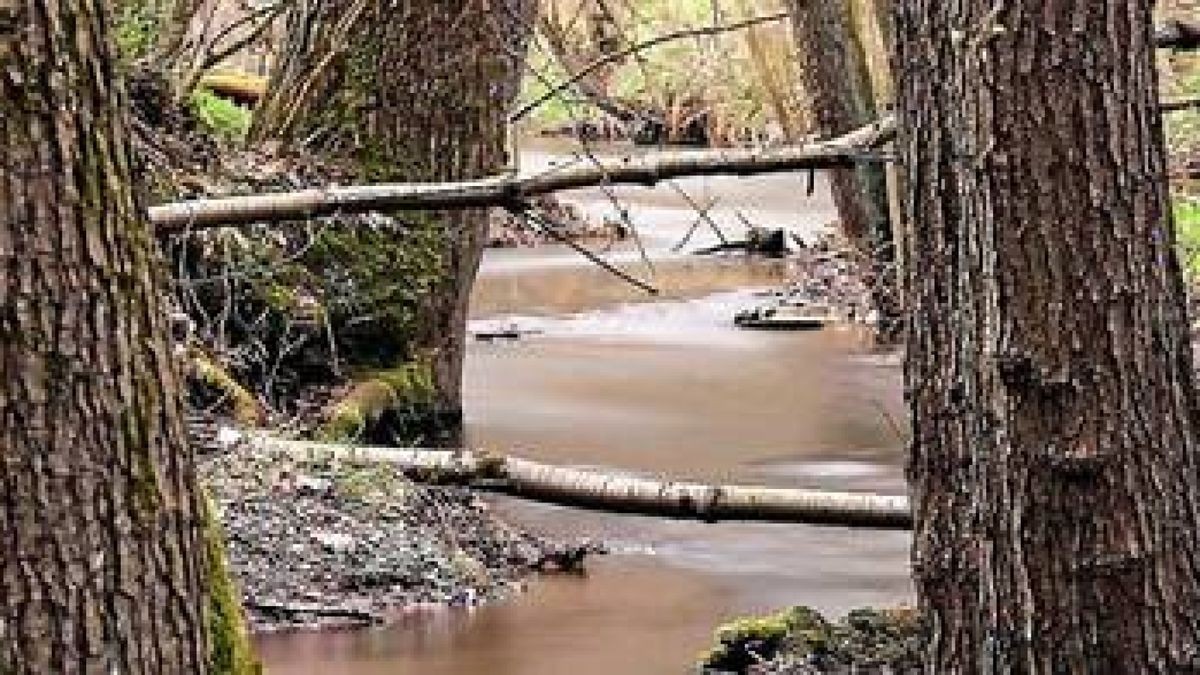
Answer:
(660, 385)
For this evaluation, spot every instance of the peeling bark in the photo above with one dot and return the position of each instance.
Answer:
(1053, 465)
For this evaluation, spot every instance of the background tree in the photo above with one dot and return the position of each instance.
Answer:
(834, 72)
(1053, 462)
(411, 91)
(105, 567)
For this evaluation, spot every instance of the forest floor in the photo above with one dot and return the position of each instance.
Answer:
(316, 545)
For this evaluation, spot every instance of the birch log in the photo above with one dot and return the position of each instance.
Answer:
(645, 169)
(613, 490)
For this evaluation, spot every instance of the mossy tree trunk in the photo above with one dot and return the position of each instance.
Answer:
(1053, 465)
(416, 90)
(834, 74)
(104, 562)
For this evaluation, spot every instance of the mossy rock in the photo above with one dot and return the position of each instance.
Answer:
(235, 398)
(381, 405)
(750, 640)
(800, 639)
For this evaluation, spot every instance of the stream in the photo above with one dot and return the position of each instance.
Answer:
(662, 385)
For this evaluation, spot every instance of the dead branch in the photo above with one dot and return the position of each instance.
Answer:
(1184, 103)
(646, 169)
(1176, 34)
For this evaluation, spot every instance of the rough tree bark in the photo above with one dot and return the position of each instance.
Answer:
(1053, 464)
(416, 90)
(837, 80)
(103, 567)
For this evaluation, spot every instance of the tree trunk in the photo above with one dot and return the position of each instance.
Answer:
(104, 566)
(413, 91)
(834, 74)
(1053, 462)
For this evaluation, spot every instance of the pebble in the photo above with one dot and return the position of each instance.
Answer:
(361, 538)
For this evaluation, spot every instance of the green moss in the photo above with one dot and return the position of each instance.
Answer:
(745, 640)
(1187, 236)
(371, 483)
(232, 653)
(221, 116)
(147, 497)
(867, 640)
(137, 29)
(244, 406)
(399, 393)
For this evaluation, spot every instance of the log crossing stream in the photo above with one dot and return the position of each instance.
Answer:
(667, 387)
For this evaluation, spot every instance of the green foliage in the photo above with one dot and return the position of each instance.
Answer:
(382, 274)
(1187, 234)
(232, 653)
(137, 27)
(717, 73)
(544, 71)
(224, 118)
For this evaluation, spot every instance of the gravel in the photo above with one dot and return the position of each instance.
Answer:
(317, 545)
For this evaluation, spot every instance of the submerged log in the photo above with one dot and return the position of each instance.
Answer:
(618, 491)
(645, 169)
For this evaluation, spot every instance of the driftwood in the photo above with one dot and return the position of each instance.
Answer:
(314, 610)
(1184, 103)
(645, 169)
(1175, 34)
(620, 492)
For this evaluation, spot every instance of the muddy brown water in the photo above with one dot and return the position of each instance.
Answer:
(664, 386)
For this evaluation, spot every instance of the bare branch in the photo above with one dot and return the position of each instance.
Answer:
(647, 169)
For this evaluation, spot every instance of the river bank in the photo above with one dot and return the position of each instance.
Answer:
(663, 385)
(327, 545)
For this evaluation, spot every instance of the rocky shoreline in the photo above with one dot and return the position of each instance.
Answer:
(800, 641)
(320, 545)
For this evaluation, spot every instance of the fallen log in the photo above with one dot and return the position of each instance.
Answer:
(1184, 103)
(1176, 34)
(644, 169)
(615, 491)
(315, 610)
